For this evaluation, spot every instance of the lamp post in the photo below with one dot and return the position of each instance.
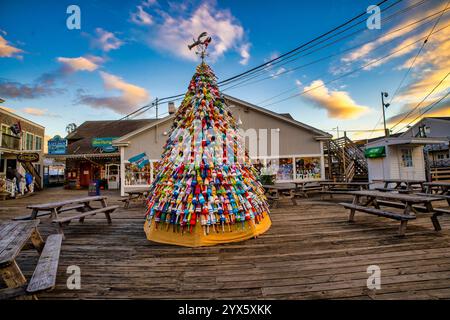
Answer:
(384, 106)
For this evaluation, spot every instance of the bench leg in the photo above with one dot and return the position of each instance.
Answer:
(435, 221)
(351, 217)
(108, 217)
(402, 229)
(294, 202)
(61, 228)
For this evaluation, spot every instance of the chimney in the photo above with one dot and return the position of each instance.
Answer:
(172, 108)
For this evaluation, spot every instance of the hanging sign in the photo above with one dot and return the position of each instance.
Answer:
(28, 157)
(140, 160)
(375, 152)
(57, 145)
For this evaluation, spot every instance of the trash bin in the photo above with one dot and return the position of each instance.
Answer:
(94, 188)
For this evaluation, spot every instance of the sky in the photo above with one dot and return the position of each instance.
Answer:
(127, 53)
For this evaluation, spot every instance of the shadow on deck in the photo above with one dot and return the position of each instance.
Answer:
(310, 252)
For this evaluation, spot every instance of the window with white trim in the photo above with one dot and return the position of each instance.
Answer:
(407, 160)
(38, 143)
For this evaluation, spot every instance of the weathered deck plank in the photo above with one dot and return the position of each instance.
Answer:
(311, 252)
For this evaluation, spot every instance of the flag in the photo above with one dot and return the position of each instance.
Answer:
(140, 160)
(16, 128)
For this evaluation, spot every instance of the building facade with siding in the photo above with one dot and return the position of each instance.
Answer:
(279, 144)
(29, 140)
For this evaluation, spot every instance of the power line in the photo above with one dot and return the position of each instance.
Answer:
(165, 99)
(352, 71)
(296, 57)
(419, 52)
(418, 105)
(429, 107)
(241, 84)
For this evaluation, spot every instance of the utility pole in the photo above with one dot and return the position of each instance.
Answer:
(384, 106)
(337, 130)
(156, 104)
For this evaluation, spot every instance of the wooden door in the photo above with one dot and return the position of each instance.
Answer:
(85, 174)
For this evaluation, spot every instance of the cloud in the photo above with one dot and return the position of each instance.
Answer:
(244, 51)
(141, 17)
(106, 40)
(338, 104)
(130, 95)
(42, 87)
(39, 112)
(174, 29)
(89, 63)
(279, 71)
(7, 50)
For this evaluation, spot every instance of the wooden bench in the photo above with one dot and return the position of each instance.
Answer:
(44, 276)
(378, 212)
(63, 221)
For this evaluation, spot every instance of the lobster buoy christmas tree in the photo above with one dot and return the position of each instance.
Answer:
(205, 191)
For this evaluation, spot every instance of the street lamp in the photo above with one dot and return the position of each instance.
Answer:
(384, 106)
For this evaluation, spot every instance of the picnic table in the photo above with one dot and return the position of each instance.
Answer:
(437, 187)
(411, 204)
(280, 191)
(16, 236)
(81, 205)
(305, 187)
(400, 185)
(135, 195)
(440, 190)
(330, 187)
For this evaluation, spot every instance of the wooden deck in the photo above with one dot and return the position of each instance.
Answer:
(310, 252)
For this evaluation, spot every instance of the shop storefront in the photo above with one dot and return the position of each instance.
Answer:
(89, 155)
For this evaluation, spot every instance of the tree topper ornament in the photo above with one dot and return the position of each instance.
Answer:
(201, 44)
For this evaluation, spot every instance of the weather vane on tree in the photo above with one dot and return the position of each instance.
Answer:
(201, 44)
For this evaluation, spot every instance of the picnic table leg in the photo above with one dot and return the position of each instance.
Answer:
(434, 217)
(86, 208)
(34, 214)
(108, 217)
(37, 241)
(404, 223)
(14, 278)
(351, 217)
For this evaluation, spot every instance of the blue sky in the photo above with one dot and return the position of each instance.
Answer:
(129, 52)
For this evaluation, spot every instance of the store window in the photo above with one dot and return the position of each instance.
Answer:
(307, 168)
(137, 176)
(38, 143)
(407, 160)
(285, 170)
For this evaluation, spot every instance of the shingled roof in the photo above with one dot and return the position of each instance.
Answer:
(80, 141)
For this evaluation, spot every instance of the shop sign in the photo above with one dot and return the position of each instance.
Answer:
(57, 145)
(28, 157)
(104, 143)
(376, 152)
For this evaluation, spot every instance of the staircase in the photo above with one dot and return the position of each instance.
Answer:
(347, 160)
(37, 178)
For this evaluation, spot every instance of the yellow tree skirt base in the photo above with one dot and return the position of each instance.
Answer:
(198, 239)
